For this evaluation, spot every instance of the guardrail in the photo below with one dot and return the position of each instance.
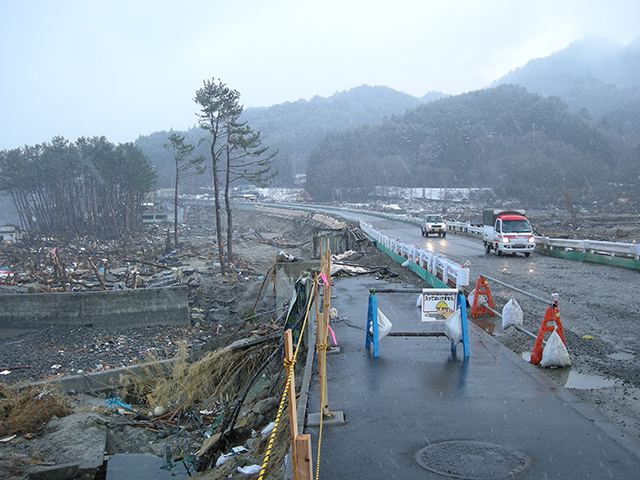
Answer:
(613, 249)
(626, 255)
(461, 227)
(448, 271)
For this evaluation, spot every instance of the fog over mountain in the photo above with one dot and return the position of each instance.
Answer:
(598, 79)
(592, 73)
(296, 128)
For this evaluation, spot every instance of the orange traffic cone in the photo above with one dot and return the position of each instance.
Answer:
(482, 289)
(550, 321)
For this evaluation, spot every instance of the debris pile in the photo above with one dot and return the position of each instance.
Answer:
(212, 409)
(349, 264)
(23, 411)
(209, 406)
(53, 352)
(210, 416)
(218, 406)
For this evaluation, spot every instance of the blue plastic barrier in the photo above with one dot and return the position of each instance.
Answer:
(371, 331)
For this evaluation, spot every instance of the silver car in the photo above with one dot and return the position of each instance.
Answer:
(434, 224)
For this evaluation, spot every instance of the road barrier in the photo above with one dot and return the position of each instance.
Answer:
(459, 310)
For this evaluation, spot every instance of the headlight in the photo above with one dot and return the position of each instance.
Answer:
(505, 240)
(532, 239)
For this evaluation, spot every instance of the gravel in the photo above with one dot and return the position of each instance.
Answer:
(57, 351)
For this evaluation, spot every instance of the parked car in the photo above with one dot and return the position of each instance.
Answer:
(434, 224)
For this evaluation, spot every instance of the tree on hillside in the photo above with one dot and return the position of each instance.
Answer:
(505, 138)
(246, 159)
(184, 167)
(219, 106)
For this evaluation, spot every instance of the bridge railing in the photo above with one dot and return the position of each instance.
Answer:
(448, 271)
(613, 249)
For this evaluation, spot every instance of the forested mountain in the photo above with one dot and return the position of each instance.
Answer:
(569, 132)
(295, 128)
(518, 143)
(593, 74)
(571, 129)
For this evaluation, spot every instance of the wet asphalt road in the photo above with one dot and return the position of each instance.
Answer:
(493, 415)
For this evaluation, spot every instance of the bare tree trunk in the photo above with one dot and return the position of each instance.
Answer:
(175, 208)
(216, 193)
(227, 203)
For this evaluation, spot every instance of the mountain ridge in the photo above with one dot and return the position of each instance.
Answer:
(596, 78)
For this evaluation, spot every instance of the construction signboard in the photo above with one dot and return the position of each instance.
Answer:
(438, 303)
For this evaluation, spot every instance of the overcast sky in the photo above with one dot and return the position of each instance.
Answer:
(127, 68)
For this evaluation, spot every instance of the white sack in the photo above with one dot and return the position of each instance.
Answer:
(453, 327)
(512, 314)
(250, 469)
(482, 299)
(555, 353)
(384, 326)
(471, 296)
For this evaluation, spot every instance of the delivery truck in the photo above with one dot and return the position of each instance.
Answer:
(507, 231)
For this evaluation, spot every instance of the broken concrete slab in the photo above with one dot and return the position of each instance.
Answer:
(78, 452)
(109, 309)
(99, 381)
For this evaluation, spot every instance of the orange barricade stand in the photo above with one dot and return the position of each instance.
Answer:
(482, 289)
(550, 322)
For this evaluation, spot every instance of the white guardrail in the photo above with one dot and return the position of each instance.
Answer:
(440, 267)
(437, 265)
(612, 249)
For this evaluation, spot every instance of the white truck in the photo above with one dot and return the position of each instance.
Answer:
(507, 231)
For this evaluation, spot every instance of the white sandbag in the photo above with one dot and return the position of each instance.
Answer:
(555, 352)
(384, 326)
(482, 299)
(250, 469)
(471, 296)
(453, 327)
(512, 314)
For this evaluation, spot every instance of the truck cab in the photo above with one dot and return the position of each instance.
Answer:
(507, 231)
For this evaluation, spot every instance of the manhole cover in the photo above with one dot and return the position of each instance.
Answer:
(472, 460)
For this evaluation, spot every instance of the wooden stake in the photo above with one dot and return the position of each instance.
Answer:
(293, 415)
(323, 333)
(304, 470)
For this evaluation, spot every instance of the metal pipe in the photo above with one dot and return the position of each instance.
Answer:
(415, 334)
(392, 290)
(517, 327)
(548, 302)
(527, 332)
